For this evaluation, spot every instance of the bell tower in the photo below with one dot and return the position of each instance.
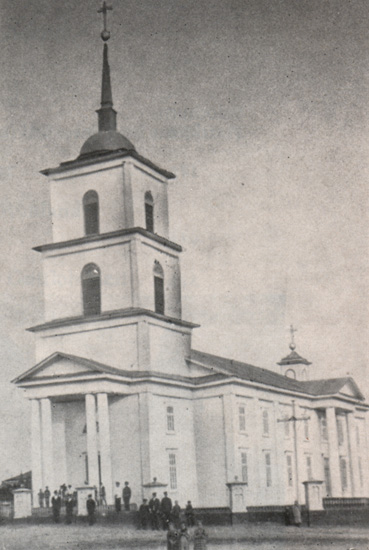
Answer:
(111, 274)
(293, 365)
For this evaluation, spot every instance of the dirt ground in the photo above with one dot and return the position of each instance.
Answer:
(24, 536)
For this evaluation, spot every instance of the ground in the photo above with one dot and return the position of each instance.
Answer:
(24, 536)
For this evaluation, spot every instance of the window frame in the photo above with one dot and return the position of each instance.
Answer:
(173, 470)
(91, 197)
(91, 307)
(170, 420)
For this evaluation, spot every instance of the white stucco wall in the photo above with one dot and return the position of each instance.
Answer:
(169, 347)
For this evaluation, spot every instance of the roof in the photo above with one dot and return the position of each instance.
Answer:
(245, 371)
(294, 358)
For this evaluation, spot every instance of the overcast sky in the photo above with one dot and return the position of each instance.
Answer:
(260, 107)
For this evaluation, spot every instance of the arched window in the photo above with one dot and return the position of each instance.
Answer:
(91, 290)
(290, 373)
(91, 212)
(149, 211)
(159, 288)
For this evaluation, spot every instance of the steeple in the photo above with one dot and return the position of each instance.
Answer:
(293, 365)
(107, 139)
(107, 116)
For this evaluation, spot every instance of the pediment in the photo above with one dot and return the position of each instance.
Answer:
(62, 365)
(350, 389)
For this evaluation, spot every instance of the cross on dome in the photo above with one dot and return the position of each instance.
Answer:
(105, 34)
(292, 331)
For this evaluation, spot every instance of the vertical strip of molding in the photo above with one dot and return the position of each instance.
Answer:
(143, 345)
(334, 462)
(127, 195)
(47, 444)
(105, 446)
(93, 465)
(135, 283)
(353, 454)
(145, 446)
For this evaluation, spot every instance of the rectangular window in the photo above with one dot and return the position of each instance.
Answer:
(91, 218)
(343, 472)
(323, 427)
(360, 471)
(244, 473)
(170, 419)
(149, 214)
(91, 296)
(268, 470)
(309, 468)
(340, 432)
(242, 418)
(265, 422)
(159, 295)
(306, 428)
(289, 470)
(172, 471)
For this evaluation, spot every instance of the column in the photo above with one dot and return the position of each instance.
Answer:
(37, 482)
(93, 465)
(354, 462)
(229, 435)
(105, 448)
(334, 459)
(144, 406)
(47, 444)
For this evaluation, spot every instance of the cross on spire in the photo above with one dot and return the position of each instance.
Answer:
(292, 331)
(105, 34)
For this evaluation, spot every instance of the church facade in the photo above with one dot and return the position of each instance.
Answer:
(118, 394)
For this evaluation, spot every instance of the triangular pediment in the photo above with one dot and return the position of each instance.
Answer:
(62, 365)
(350, 389)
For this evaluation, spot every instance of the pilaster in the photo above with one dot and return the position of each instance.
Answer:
(37, 482)
(93, 465)
(334, 461)
(229, 408)
(47, 444)
(353, 455)
(105, 448)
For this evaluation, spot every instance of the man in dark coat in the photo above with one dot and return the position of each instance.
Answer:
(143, 515)
(190, 515)
(56, 505)
(166, 508)
(176, 515)
(47, 497)
(154, 508)
(91, 507)
(117, 499)
(126, 495)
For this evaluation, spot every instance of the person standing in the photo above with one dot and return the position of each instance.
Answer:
(143, 515)
(126, 495)
(47, 497)
(184, 537)
(200, 537)
(176, 514)
(41, 498)
(166, 508)
(117, 499)
(69, 504)
(172, 538)
(154, 508)
(296, 513)
(91, 507)
(190, 515)
(56, 505)
(102, 495)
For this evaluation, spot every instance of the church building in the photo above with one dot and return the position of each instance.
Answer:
(118, 394)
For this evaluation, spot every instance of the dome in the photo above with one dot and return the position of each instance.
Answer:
(103, 142)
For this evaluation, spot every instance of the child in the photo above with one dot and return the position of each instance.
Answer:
(200, 537)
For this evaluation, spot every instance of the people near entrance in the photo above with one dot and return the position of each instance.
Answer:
(41, 496)
(47, 497)
(56, 505)
(154, 508)
(91, 507)
(102, 495)
(173, 538)
(166, 508)
(143, 515)
(189, 514)
(69, 505)
(200, 537)
(176, 514)
(126, 493)
(184, 537)
(117, 498)
(296, 514)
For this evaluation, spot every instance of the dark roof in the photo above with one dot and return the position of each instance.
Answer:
(294, 358)
(259, 375)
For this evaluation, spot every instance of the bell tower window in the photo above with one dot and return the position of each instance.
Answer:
(159, 288)
(91, 290)
(91, 212)
(149, 211)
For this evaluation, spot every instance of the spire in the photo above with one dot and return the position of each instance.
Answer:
(107, 116)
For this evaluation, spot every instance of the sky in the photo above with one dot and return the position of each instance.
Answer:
(261, 110)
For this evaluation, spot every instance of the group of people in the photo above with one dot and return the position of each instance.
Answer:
(158, 514)
(64, 493)
(179, 539)
(125, 495)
